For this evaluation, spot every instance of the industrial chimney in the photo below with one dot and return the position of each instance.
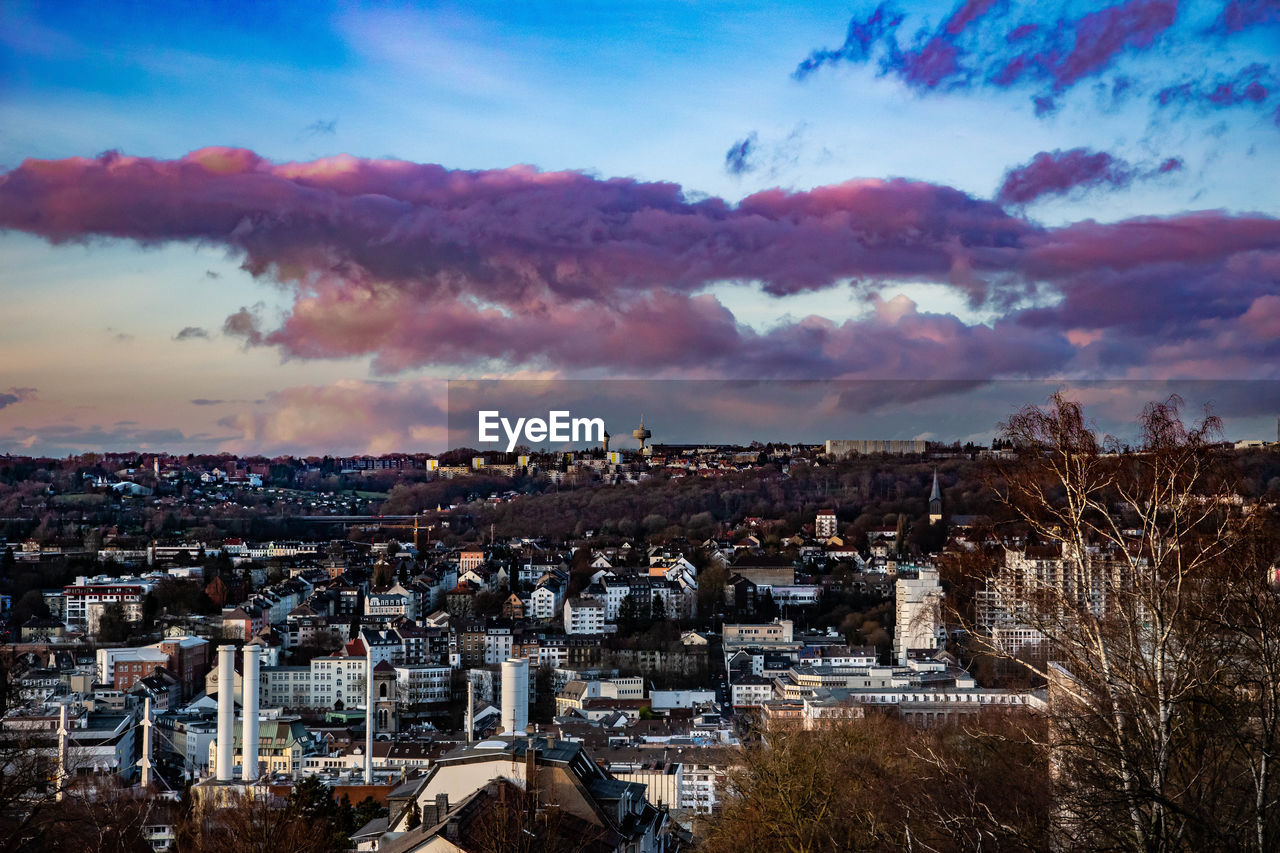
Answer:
(515, 696)
(249, 723)
(226, 711)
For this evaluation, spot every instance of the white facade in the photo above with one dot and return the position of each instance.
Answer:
(421, 684)
(917, 613)
(583, 616)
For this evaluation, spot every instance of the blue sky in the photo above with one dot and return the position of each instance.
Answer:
(656, 92)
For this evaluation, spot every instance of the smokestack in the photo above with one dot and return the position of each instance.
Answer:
(471, 709)
(249, 724)
(368, 712)
(515, 696)
(226, 711)
(146, 743)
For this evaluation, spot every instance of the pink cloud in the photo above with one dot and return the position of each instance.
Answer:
(348, 416)
(416, 265)
(1059, 172)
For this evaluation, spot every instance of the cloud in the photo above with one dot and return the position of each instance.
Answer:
(348, 416)
(1060, 172)
(64, 439)
(205, 401)
(243, 324)
(1004, 45)
(1249, 86)
(16, 395)
(1240, 15)
(320, 127)
(188, 333)
(415, 265)
(738, 158)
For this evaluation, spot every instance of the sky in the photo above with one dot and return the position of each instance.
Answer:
(281, 228)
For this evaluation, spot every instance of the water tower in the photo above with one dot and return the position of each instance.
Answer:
(641, 434)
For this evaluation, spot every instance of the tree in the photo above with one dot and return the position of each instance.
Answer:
(113, 625)
(657, 610)
(878, 784)
(766, 607)
(1136, 635)
(256, 825)
(628, 614)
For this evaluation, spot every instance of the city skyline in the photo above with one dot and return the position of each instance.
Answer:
(316, 218)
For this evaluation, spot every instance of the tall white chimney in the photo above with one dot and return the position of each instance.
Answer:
(471, 709)
(226, 711)
(368, 712)
(515, 696)
(249, 705)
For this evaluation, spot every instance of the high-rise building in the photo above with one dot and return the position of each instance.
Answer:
(824, 526)
(918, 611)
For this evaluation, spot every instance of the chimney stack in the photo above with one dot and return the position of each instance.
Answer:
(249, 724)
(515, 696)
(471, 709)
(226, 712)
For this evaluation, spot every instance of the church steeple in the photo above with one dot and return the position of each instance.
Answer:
(935, 500)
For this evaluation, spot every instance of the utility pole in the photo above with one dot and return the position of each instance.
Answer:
(368, 713)
(63, 734)
(146, 744)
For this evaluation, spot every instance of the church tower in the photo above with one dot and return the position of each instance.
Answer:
(384, 715)
(935, 500)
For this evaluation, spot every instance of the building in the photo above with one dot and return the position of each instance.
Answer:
(776, 633)
(283, 747)
(917, 612)
(123, 668)
(838, 448)
(86, 596)
(583, 616)
(188, 661)
(590, 802)
(824, 526)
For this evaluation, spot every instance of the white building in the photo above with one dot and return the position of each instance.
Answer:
(917, 612)
(421, 684)
(824, 526)
(546, 600)
(583, 616)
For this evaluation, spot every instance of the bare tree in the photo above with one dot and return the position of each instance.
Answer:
(879, 784)
(257, 824)
(1131, 617)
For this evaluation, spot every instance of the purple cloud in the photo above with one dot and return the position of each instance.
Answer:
(737, 159)
(416, 265)
(16, 395)
(984, 43)
(1240, 15)
(1061, 172)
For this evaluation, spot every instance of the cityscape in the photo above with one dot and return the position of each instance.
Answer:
(655, 428)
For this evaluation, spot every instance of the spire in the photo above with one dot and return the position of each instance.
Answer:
(936, 494)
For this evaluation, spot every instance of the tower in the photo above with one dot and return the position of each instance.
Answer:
(606, 440)
(935, 500)
(641, 434)
(515, 696)
(384, 715)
